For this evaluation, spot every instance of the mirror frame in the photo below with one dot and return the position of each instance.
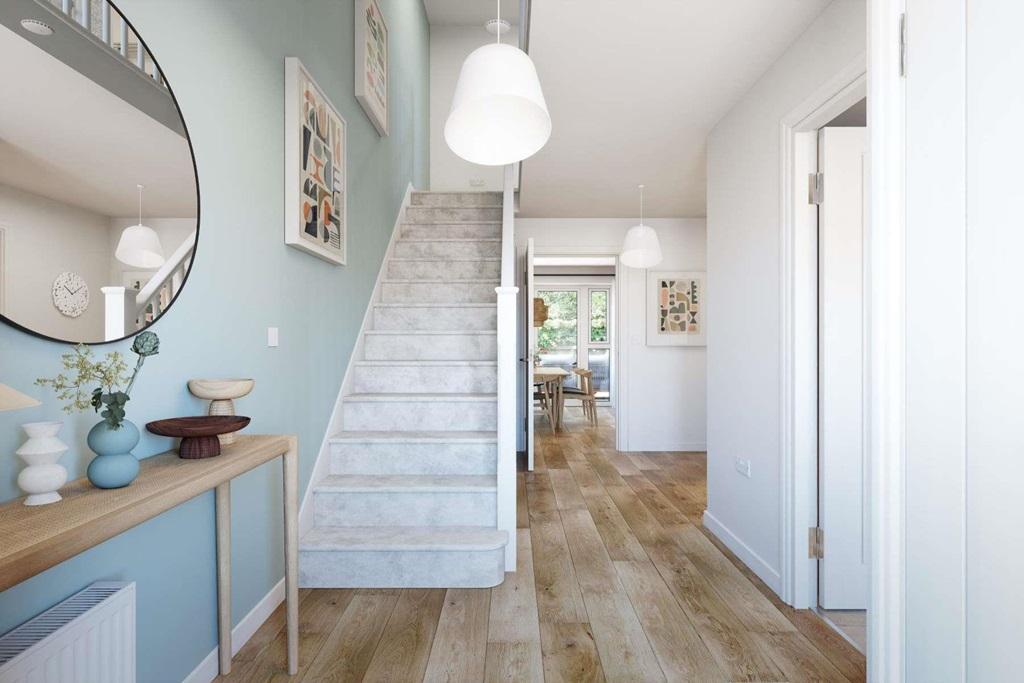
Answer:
(195, 175)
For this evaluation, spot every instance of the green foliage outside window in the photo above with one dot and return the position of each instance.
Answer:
(559, 330)
(599, 316)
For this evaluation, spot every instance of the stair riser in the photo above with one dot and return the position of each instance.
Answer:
(431, 347)
(448, 214)
(476, 319)
(444, 270)
(438, 293)
(444, 250)
(405, 509)
(401, 569)
(448, 231)
(413, 458)
(460, 379)
(456, 199)
(425, 416)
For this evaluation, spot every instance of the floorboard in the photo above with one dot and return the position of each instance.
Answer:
(618, 580)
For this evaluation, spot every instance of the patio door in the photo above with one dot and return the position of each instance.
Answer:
(577, 333)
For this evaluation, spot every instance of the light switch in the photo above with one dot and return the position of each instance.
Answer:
(272, 340)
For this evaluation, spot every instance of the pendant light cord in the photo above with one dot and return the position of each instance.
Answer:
(641, 204)
(140, 203)
(497, 27)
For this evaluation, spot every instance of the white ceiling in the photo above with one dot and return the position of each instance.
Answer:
(469, 12)
(75, 142)
(635, 87)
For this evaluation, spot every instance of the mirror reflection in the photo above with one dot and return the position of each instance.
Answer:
(98, 195)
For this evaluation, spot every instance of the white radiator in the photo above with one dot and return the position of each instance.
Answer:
(88, 638)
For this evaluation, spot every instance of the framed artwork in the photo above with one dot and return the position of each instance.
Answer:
(371, 77)
(315, 146)
(675, 309)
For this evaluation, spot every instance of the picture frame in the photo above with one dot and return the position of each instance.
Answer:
(371, 63)
(676, 314)
(315, 169)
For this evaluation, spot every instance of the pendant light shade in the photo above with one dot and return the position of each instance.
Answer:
(139, 246)
(498, 113)
(641, 248)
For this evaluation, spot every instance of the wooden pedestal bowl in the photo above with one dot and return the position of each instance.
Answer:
(198, 434)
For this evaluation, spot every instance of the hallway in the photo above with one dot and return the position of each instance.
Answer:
(615, 583)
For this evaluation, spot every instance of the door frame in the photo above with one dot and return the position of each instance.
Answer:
(799, 310)
(885, 84)
(620, 317)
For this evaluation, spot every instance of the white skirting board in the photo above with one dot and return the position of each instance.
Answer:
(323, 457)
(754, 561)
(208, 669)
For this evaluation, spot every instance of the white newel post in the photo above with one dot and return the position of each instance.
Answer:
(113, 312)
(507, 369)
(507, 419)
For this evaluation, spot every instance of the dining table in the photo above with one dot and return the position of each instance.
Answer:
(553, 378)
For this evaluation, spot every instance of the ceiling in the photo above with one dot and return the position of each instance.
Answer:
(469, 12)
(76, 142)
(635, 87)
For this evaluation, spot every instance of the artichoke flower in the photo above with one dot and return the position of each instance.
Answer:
(146, 344)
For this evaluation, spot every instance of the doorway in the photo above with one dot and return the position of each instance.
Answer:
(570, 336)
(824, 492)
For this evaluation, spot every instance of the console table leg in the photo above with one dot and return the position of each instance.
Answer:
(224, 576)
(291, 552)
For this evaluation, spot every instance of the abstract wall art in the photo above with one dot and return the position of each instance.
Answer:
(316, 199)
(371, 63)
(676, 311)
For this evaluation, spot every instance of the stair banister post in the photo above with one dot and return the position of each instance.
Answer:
(507, 366)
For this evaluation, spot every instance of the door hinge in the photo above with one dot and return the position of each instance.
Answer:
(903, 45)
(815, 188)
(816, 543)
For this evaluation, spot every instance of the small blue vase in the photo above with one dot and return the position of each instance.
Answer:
(114, 465)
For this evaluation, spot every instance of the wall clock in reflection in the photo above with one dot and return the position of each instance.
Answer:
(70, 294)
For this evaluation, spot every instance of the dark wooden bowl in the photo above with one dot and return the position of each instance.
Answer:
(198, 434)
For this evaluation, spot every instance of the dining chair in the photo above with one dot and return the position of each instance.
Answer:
(586, 394)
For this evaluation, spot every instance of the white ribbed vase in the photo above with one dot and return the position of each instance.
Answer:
(43, 476)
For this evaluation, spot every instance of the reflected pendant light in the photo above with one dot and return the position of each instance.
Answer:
(641, 248)
(139, 246)
(498, 113)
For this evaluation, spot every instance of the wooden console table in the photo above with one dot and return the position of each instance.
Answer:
(33, 539)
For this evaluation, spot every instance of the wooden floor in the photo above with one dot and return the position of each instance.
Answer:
(617, 581)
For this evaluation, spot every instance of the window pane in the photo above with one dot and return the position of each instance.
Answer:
(599, 316)
(597, 361)
(556, 340)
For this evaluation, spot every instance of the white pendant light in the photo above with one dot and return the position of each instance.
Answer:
(139, 245)
(641, 248)
(498, 113)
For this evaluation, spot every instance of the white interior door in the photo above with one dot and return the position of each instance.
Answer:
(531, 350)
(842, 457)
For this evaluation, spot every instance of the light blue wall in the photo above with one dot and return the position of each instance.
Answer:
(225, 61)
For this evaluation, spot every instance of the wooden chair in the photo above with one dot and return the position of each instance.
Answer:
(547, 402)
(586, 394)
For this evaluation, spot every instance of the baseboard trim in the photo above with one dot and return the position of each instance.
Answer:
(209, 668)
(743, 551)
(689, 446)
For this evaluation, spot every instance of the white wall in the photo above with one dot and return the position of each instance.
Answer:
(44, 238)
(662, 388)
(744, 332)
(449, 47)
(965, 372)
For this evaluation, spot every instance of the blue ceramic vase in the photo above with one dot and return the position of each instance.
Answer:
(114, 465)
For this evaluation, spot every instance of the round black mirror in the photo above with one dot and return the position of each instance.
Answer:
(99, 200)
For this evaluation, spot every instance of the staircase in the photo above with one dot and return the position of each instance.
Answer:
(411, 495)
